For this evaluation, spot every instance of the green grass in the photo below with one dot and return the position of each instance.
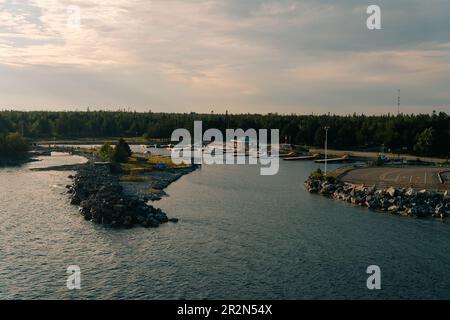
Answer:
(136, 165)
(135, 178)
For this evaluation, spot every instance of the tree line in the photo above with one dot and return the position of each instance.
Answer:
(422, 134)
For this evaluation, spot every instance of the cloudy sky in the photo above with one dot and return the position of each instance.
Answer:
(311, 56)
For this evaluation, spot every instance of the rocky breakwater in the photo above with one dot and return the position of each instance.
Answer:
(405, 202)
(101, 199)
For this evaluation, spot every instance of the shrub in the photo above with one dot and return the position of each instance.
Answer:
(106, 151)
(12, 145)
(316, 175)
(121, 152)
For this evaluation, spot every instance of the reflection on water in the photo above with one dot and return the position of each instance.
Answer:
(133, 147)
(240, 235)
(57, 159)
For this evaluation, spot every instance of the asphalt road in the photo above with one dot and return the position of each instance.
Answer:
(374, 155)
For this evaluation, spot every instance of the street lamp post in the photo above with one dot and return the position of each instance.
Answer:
(326, 149)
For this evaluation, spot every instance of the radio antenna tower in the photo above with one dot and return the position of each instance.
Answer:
(398, 102)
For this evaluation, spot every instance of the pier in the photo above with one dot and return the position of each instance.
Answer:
(334, 160)
(302, 158)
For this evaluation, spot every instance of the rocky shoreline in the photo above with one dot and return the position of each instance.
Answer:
(405, 202)
(101, 199)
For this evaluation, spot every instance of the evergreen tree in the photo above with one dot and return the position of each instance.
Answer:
(121, 152)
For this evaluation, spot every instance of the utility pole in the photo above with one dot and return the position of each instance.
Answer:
(226, 119)
(326, 148)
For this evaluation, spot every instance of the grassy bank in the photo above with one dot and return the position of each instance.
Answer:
(139, 164)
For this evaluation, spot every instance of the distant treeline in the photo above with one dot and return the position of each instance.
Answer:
(421, 134)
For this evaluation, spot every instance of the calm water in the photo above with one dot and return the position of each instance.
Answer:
(133, 147)
(240, 235)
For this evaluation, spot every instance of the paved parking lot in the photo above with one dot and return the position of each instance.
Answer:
(416, 177)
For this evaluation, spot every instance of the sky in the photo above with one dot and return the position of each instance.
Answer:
(244, 56)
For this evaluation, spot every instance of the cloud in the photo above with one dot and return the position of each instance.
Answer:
(411, 67)
(253, 55)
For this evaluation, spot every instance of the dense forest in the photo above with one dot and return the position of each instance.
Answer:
(422, 134)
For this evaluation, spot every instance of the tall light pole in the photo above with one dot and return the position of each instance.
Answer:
(326, 148)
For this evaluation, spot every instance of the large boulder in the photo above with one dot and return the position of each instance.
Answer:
(372, 204)
(392, 191)
(327, 189)
(313, 186)
(410, 192)
(420, 211)
(393, 209)
(75, 200)
(150, 222)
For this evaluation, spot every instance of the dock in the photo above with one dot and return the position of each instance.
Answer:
(301, 158)
(334, 160)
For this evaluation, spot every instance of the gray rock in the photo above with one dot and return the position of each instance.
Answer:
(411, 192)
(393, 209)
(150, 223)
(392, 191)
